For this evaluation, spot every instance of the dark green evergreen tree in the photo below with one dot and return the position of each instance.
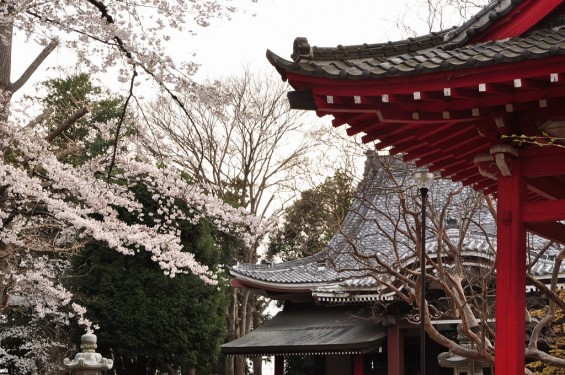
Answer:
(79, 106)
(148, 321)
(311, 221)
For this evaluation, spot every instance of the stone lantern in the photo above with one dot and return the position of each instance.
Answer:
(88, 362)
(459, 364)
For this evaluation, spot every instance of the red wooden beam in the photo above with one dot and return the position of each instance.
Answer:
(358, 364)
(543, 211)
(431, 158)
(546, 187)
(343, 118)
(279, 365)
(543, 161)
(362, 123)
(491, 190)
(552, 231)
(464, 174)
(395, 349)
(485, 184)
(400, 135)
(409, 147)
(450, 167)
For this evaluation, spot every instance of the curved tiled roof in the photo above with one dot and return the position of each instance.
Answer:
(375, 226)
(361, 227)
(492, 12)
(365, 62)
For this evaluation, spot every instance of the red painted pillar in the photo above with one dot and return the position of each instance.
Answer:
(395, 350)
(279, 365)
(510, 275)
(358, 364)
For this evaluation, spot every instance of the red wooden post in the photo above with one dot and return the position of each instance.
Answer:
(279, 365)
(510, 275)
(395, 350)
(358, 364)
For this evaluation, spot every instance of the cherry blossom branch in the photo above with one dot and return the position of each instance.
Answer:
(33, 66)
(120, 123)
(40, 118)
(73, 29)
(121, 45)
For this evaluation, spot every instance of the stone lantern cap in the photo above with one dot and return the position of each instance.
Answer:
(459, 363)
(88, 359)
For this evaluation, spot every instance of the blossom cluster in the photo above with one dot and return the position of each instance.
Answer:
(65, 196)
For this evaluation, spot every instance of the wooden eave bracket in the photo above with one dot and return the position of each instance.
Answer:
(486, 165)
(503, 158)
(497, 162)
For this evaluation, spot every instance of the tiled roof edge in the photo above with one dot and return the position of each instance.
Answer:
(479, 22)
(303, 49)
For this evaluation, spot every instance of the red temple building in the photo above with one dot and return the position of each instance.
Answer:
(482, 104)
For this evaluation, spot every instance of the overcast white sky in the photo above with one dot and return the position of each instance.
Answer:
(226, 46)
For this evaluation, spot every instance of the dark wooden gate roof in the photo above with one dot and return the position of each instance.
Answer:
(311, 330)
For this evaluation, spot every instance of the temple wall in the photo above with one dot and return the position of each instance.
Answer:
(339, 365)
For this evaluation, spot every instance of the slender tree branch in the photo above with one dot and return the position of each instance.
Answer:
(39, 119)
(67, 124)
(120, 123)
(33, 66)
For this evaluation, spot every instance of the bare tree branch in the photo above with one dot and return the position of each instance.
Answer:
(67, 124)
(33, 66)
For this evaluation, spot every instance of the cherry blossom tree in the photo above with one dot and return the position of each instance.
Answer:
(50, 206)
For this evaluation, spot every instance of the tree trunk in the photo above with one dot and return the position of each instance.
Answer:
(172, 371)
(244, 300)
(5, 55)
(239, 365)
(257, 365)
(5, 68)
(229, 365)
(257, 361)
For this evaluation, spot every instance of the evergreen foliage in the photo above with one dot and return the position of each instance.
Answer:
(149, 320)
(311, 221)
(69, 95)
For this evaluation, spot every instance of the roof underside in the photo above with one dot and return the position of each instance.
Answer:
(333, 330)
(444, 100)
